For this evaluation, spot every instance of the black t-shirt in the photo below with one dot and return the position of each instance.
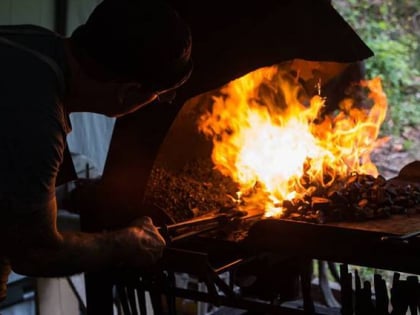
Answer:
(33, 123)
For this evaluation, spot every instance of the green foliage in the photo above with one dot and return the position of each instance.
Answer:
(408, 145)
(389, 29)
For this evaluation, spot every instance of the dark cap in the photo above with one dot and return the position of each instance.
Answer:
(138, 40)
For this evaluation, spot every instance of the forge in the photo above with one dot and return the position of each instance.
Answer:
(264, 150)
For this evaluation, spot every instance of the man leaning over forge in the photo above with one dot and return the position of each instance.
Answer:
(128, 54)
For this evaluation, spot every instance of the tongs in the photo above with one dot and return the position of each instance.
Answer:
(402, 238)
(181, 230)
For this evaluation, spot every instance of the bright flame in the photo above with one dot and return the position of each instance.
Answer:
(276, 148)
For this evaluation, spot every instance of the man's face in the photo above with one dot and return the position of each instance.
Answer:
(94, 89)
(112, 98)
(131, 97)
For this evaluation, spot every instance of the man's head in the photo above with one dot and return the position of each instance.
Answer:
(142, 43)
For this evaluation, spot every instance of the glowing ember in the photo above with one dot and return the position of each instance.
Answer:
(276, 143)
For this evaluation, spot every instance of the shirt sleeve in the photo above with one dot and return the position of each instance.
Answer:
(31, 136)
(30, 156)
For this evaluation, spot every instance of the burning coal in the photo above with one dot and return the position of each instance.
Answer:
(278, 143)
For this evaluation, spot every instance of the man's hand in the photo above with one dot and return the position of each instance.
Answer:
(146, 241)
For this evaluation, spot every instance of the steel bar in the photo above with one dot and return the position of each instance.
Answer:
(123, 298)
(346, 290)
(243, 303)
(220, 218)
(141, 296)
(305, 279)
(333, 270)
(228, 266)
(381, 296)
(195, 222)
(413, 290)
(82, 305)
(193, 233)
(170, 298)
(324, 285)
(131, 295)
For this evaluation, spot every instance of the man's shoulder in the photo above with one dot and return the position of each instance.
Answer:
(25, 29)
(32, 66)
(30, 38)
(32, 50)
(30, 87)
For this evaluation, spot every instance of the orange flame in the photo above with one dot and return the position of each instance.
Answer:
(277, 145)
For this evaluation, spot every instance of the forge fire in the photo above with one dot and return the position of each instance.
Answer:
(278, 143)
(275, 147)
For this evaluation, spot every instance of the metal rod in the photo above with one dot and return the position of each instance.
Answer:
(141, 296)
(123, 299)
(82, 305)
(241, 303)
(229, 265)
(207, 223)
(195, 222)
(193, 233)
(60, 16)
(131, 296)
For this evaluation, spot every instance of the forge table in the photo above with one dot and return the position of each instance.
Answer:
(389, 244)
(383, 244)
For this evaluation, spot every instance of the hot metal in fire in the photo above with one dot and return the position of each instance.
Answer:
(278, 142)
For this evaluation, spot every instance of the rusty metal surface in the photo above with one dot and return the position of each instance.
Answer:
(397, 225)
(354, 244)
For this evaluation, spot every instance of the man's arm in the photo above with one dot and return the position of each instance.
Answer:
(36, 248)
